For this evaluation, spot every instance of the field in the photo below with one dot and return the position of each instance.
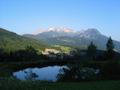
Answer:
(11, 84)
(64, 49)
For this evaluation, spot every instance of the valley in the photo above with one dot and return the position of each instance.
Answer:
(59, 44)
(86, 60)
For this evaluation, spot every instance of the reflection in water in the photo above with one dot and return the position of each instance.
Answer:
(46, 73)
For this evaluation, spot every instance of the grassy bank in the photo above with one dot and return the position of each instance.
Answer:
(10, 84)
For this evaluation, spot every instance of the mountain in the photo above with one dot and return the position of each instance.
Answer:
(53, 32)
(68, 37)
(11, 41)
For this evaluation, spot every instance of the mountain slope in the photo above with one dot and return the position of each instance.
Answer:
(11, 41)
(52, 33)
(77, 39)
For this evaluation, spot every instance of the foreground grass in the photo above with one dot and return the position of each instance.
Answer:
(10, 84)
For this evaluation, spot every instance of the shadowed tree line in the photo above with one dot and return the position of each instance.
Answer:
(91, 54)
(26, 54)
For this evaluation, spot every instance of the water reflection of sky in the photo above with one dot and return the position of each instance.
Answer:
(46, 73)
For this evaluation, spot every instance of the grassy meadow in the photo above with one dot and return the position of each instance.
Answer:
(12, 84)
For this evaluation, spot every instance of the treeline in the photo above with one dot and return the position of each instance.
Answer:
(108, 54)
(92, 53)
(27, 54)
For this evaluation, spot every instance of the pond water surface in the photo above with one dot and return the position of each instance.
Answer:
(45, 73)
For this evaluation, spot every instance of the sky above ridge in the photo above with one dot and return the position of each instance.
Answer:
(27, 16)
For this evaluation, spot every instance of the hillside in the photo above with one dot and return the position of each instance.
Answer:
(12, 41)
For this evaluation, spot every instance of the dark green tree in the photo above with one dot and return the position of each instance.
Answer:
(91, 50)
(71, 73)
(110, 48)
(30, 49)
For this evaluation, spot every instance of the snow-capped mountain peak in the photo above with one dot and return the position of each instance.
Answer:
(61, 29)
(54, 29)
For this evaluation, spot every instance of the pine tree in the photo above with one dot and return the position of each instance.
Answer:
(91, 51)
(110, 48)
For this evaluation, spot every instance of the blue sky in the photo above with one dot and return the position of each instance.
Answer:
(26, 16)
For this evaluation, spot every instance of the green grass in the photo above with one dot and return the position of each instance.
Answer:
(64, 49)
(10, 84)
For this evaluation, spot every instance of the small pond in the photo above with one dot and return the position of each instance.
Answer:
(44, 74)
(50, 73)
